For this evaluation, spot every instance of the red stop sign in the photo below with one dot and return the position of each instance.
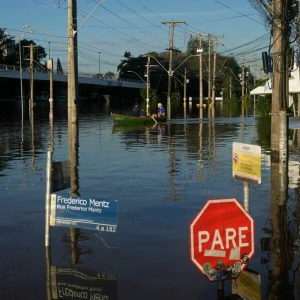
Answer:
(222, 239)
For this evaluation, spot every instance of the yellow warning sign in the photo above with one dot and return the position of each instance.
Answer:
(246, 162)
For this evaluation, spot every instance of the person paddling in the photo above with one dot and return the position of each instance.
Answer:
(160, 110)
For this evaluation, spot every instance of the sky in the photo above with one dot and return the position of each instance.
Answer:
(116, 26)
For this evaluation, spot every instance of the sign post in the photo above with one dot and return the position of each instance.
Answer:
(222, 239)
(86, 213)
(246, 166)
(246, 162)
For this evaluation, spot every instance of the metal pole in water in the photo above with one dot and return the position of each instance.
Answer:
(246, 195)
(48, 198)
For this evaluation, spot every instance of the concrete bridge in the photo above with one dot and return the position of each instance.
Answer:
(89, 86)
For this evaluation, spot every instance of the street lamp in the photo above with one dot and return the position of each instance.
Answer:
(48, 33)
(21, 79)
(147, 85)
(21, 71)
(49, 63)
(170, 74)
(99, 62)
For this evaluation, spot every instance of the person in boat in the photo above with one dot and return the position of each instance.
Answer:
(160, 110)
(136, 110)
(143, 113)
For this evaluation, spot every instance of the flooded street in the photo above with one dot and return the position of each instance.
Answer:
(161, 176)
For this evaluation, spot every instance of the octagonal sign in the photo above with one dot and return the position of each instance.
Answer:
(222, 239)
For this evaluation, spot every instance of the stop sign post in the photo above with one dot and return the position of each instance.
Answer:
(222, 239)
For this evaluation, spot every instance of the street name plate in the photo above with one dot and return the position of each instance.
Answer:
(86, 213)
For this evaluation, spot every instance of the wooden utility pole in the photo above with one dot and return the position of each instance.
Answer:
(230, 87)
(148, 84)
(214, 69)
(200, 51)
(170, 73)
(209, 67)
(243, 77)
(31, 60)
(72, 61)
(31, 80)
(279, 119)
(73, 96)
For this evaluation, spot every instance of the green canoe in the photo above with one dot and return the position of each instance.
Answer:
(117, 118)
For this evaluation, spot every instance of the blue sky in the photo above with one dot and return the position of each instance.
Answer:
(136, 26)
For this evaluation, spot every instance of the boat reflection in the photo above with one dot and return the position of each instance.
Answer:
(127, 128)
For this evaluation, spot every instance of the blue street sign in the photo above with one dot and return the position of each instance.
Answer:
(87, 213)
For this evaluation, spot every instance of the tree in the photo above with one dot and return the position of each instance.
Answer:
(59, 68)
(3, 37)
(193, 45)
(109, 75)
(13, 56)
(123, 66)
(39, 53)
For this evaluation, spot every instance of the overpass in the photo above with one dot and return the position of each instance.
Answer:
(87, 82)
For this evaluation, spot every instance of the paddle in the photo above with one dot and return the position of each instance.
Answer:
(153, 119)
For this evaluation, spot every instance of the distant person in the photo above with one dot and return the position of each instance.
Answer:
(143, 113)
(136, 110)
(160, 110)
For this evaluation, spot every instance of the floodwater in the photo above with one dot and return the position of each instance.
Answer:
(162, 176)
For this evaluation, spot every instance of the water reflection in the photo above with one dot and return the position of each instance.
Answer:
(281, 283)
(186, 162)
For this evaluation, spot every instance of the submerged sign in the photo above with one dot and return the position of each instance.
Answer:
(246, 162)
(87, 213)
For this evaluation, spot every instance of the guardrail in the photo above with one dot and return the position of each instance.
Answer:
(81, 74)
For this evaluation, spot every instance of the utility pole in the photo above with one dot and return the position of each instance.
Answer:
(31, 80)
(21, 79)
(72, 61)
(243, 81)
(99, 62)
(31, 84)
(171, 48)
(200, 50)
(279, 119)
(148, 85)
(50, 68)
(214, 69)
(243, 77)
(230, 87)
(184, 87)
(209, 67)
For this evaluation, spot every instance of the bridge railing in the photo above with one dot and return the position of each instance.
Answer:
(81, 74)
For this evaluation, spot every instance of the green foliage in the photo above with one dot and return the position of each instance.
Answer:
(125, 63)
(3, 37)
(109, 75)
(264, 131)
(234, 99)
(263, 106)
(153, 99)
(246, 97)
(193, 45)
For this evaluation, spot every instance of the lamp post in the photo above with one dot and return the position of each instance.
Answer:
(21, 79)
(49, 63)
(168, 71)
(99, 62)
(147, 85)
(230, 80)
